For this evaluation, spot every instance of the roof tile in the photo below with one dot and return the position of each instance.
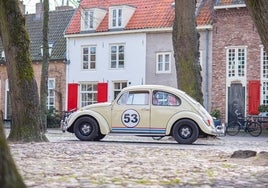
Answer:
(148, 14)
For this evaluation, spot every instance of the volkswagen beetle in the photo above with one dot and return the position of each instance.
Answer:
(144, 110)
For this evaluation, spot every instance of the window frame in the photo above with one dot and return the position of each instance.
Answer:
(264, 77)
(93, 92)
(117, 56)
(134, 98)
(166, 99)
(236, 63)
(163, 63)
(116, 91)
(90, 60)
(51, 98)
(116, 18)
(87, 20)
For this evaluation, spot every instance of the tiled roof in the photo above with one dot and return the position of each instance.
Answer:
(58, 21)
(148, 14)
(205, 12)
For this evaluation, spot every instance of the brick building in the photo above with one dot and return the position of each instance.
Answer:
(58, 21)
(239, 64)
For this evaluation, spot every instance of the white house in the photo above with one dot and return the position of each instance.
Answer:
(111, 45)
(116, 43)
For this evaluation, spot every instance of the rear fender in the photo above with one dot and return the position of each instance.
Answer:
(186, 115)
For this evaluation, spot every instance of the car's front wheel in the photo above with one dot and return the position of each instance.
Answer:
(86, 129)
(185, 131)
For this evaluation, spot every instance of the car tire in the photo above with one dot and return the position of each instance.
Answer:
(99, 137)
(86, 129)
(185, 131)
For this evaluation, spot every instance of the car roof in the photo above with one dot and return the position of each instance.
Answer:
(154, 87)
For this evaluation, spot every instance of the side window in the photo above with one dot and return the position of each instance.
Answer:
(161, 98)
(134, 98)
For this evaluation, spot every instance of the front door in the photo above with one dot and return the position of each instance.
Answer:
(236, 101)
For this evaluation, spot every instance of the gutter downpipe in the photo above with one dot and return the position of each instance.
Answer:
(207, 70)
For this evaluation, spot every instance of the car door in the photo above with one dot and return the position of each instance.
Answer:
(131, 113)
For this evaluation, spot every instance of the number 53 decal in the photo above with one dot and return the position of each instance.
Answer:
(130, 118)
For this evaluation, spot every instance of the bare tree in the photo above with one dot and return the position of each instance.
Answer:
(26, 116)
(44, 74)
(258, 11)
(186, 49)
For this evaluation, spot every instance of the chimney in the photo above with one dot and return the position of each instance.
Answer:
(66, 7)
(39, 11)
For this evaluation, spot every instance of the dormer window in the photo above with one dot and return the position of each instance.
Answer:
(91, 18)
(117, 18)
(120, 15)
(87, 20)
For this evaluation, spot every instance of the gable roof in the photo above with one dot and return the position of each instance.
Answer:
(148, 14)
(58, 21)
(205, 13)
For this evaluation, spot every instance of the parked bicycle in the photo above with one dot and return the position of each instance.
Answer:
(248, 124)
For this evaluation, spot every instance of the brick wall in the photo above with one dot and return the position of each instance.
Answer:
(56, 70)
(232, 27)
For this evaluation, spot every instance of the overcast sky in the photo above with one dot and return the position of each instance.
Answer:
(30, 4)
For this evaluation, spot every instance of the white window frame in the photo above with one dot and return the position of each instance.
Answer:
(117, 90)
(236, 63)
(87, 20)
(115, 57)
(87, 93)
(51, 93)
(116, 18)
(89, 59)
(264, 77)
(161, 65)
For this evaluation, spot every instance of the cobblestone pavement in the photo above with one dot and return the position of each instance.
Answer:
(119, 161)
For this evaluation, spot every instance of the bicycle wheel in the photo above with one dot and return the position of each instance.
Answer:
(232, 128)
(254, 129)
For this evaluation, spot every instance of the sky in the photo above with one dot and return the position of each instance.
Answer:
(30, 4)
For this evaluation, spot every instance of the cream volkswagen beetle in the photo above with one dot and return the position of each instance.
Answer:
(145, 110)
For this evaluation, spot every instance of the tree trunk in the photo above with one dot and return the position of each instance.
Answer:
(258, 11)
(9, 176)
(186, 49)
(26, 117)
(44, 74)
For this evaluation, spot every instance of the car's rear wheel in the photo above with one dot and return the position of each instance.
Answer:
(185, 131)
(86, 129)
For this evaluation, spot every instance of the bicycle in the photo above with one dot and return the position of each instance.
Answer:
(248, 124)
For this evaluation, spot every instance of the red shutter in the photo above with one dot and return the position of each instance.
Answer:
(253, 97)
(72, 96)
(102, 92)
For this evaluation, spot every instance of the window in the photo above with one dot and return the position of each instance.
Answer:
(89, 58)
(264, 77)
(134, 98)
(236, 62)
(51, 94)
(161, 98)
(116, 18)
(163, 62)
(87, 20)
(117, 56)
(118, 86)
(88, 94)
